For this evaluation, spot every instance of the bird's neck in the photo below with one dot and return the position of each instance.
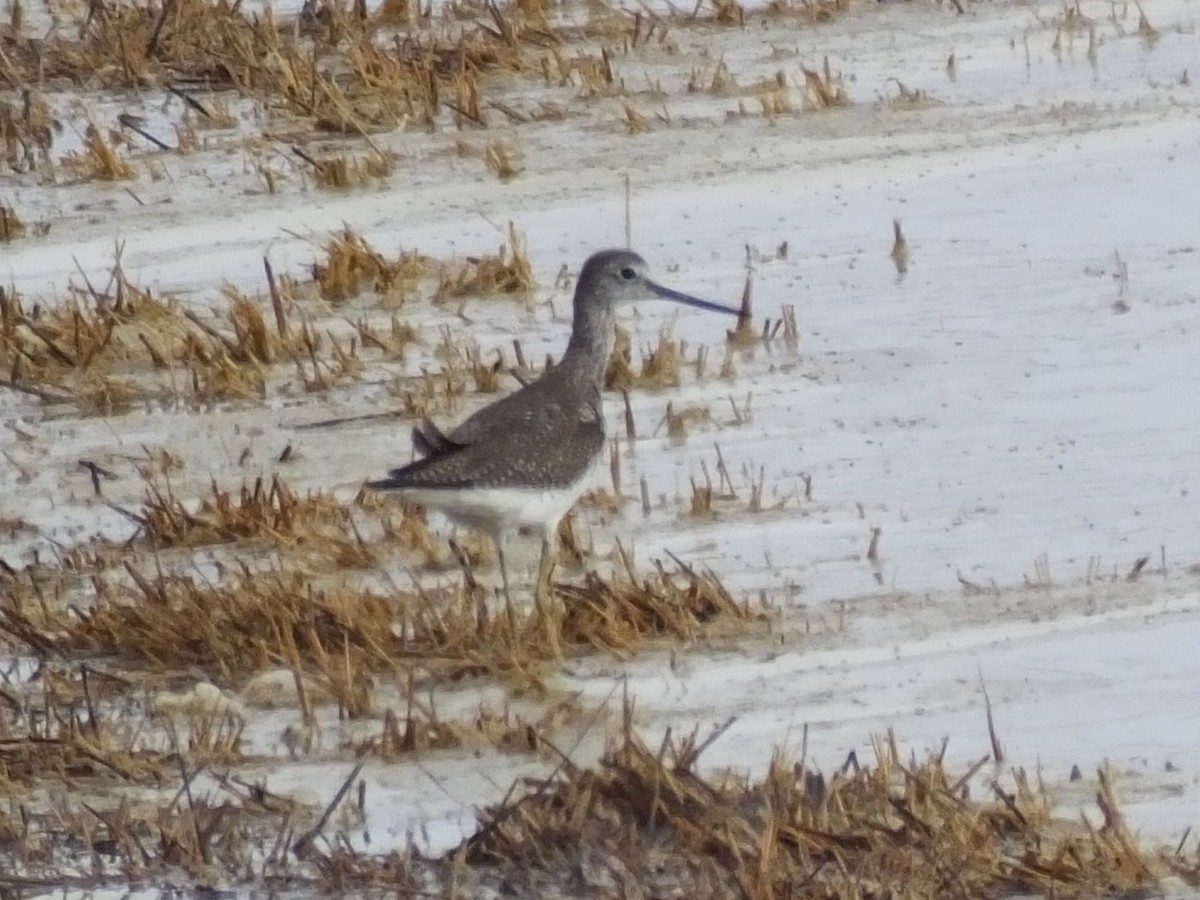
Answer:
(591, 337)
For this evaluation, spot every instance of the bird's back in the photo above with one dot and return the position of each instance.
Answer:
(543, 438)
(572, 376)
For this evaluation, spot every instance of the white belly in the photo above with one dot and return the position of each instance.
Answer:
(497, 509)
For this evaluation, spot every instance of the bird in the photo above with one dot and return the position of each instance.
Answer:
(524, 460)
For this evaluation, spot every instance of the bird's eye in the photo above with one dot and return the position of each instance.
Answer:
(628, 274)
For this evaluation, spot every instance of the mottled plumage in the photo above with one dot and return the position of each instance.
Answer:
(551, 446)
(524, 459)
(599, 289)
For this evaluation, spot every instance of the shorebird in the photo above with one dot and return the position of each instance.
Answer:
(525, 459)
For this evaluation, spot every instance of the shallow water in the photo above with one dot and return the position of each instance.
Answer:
(1017, 438)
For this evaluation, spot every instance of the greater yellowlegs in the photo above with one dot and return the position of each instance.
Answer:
(524, 460)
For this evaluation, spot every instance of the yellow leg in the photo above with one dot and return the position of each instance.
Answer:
(543, 598)
(503, 569)
(508, 606)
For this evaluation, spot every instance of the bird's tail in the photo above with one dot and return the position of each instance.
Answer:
(429, 440)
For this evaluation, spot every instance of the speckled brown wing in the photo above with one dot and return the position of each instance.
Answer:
(519, 407)
(551, 446)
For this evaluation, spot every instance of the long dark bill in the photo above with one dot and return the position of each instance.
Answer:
(688, 300)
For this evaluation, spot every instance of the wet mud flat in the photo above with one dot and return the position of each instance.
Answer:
(888, 588)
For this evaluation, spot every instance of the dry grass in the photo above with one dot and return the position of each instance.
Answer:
(27, 133)
(11, 226)
(82, 754)
(660, 368)
(679, 422)
(773, 96)
(79, 348)
(57, 732)
(76, 838)
(99, 159)
(250, 621)
(340, 69)
(807, 10)
(592, 74)
(621, 614)
(508, 272)
(1145, 30)
(634, 121)
(906, 97)
(350, 265)
(901, 254)
(729, 12)
(309, 529)
(824, 89)
(647, 817)
(504, 159)
(85, 779)
(433, 394)
(103, 347)
(342, 171)
(253, 622)
(363, 88)
(421, 729)
(744, 334)
(312, 526)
